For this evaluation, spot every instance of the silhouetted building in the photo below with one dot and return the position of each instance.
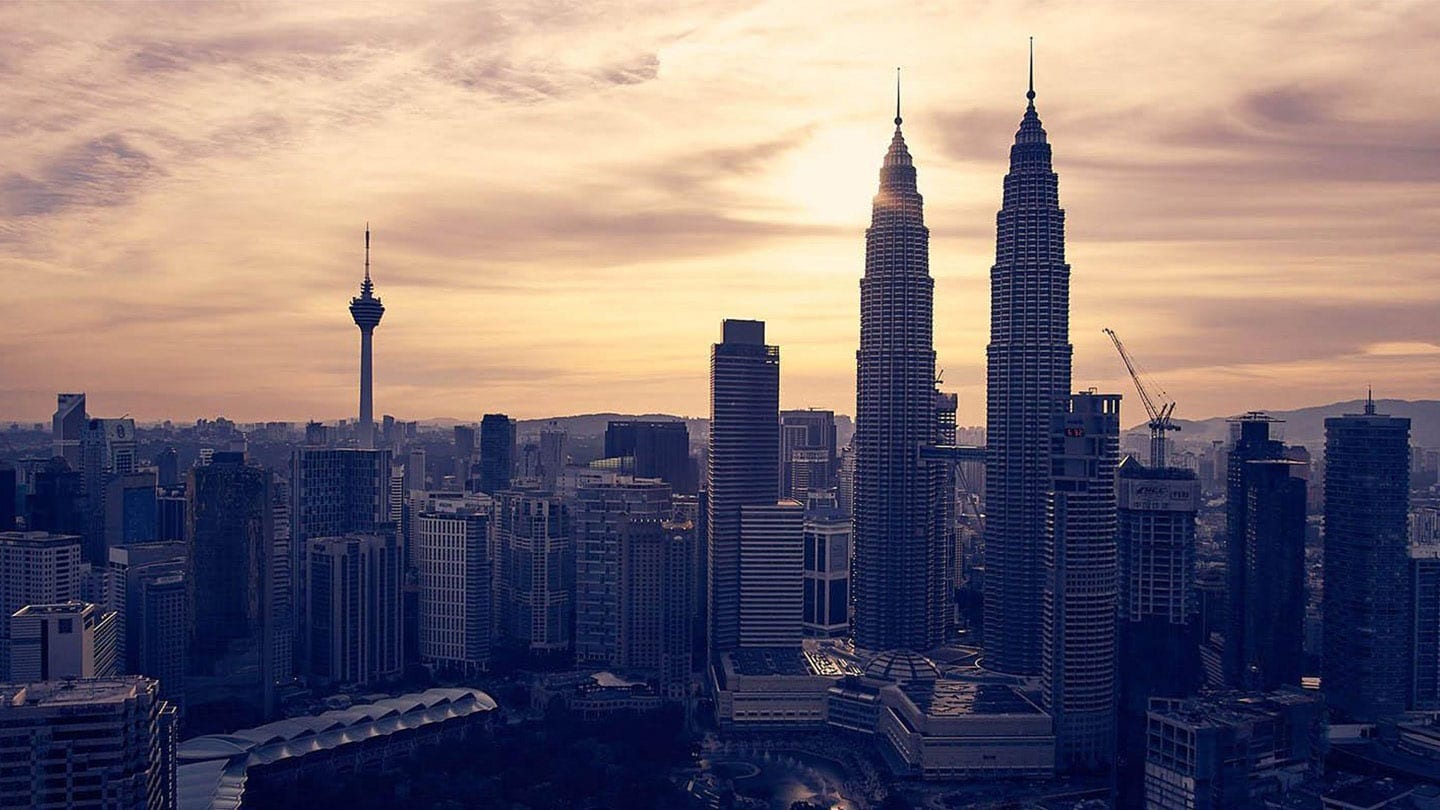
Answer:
(8, 504)
(66, 640)
(36, 568)
(899, 575)
(1160, 630)
(354, 610)
(808, 455)
(743, 463)
(451, 544)
(170, 514)
(497, 453)
(107, 450)
(772, 574)
(599, 511)
(660, 449)
(1424, 587)
(131, 515)
(1232, 749)
(533, 543)
(167, 466)
(1366, 663)
(67, 426)
(367, 310)
(116, 750)
(57, 503)
(229, 575)
(1028, 374)
(1264, 641)
(1078, 670)
(826, 611)
(656, 593)
(552, 457)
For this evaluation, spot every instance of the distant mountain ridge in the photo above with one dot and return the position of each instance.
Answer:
(1306, 426)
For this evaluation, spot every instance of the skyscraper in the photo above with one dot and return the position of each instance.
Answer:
(600, 509)
(1265, 561)
(497, 453)
(367, 310)
(1028, 382)
(828, 535)
(107, 449)
(772, 574)
(1365, 666)
(354, 608)
(660, 449)
(451, 550)
(66, 640)
(66, 427)
(899, 593)
(1160, 630)
(537, 570)
(808, 457)
(36, 568)
(1081, 583)
(656, 588)
(743, 466)
(229, 579)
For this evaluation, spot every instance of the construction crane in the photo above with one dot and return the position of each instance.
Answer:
(1158, 404)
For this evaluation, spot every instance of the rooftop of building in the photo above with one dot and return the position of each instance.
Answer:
(757, 661)
(951, 697)
(1233, 707)
(901, 666)
(70, 692)
(39, 537)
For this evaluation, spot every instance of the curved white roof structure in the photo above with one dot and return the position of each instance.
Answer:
(212, 768)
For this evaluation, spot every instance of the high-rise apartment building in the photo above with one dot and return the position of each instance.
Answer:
(743, 463)
(1028, 383)
(900, 592)
(107, 451)
(497, 453)
(66, 640)
(117, 751)
(772, 574)
(36, 568)
(1424, 589)
(656, 593)
(534, 546)
(57, 501)
(1160, 629)
(826, 612)
(1078, 668)
(454, 571)
(599, 510)
(131, 514)
(129, 567)
(354, 610)
(1366, 658)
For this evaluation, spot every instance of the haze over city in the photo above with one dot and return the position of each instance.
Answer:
(567, 198)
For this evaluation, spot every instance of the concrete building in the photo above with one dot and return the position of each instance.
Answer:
(826, 596)
(660, 450)
(599, 510)
(36, 568)
(68, 640)
(535, 549)
(772, 574)
(809, 458)
(131, 515)
(117, 751)
(1078, 669)
(656, 597)
(1424, 591)
(497, 453)
(1232, 749)
(455, 573)
(1028, 376)
(367, 310)
(743, 464)
(355, 633)
(1367, 653)
(107, 449)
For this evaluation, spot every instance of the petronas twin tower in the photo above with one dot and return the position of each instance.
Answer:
(900, 576)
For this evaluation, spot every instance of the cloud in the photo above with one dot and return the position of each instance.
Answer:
(105, 171)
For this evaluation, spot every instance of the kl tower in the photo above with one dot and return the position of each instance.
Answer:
(367, 310)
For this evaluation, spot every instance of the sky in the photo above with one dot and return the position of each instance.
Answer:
(566, 198)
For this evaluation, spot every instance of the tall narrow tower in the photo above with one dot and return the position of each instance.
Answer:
(367, 310)
(1028, 385)
(899, 595)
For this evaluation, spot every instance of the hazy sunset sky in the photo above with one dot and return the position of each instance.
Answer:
(568, 197)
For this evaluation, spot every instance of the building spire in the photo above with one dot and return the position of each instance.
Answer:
(367, 287)
(1030, 94)
(897, 97)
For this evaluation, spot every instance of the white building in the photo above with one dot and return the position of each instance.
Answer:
(772, 557)
(67, 640)
(36, 568)
(451, 553)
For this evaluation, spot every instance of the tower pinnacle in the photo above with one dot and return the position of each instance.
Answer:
(1030, 94)
(897, 97)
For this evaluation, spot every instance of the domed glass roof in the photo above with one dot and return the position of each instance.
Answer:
(902, 666)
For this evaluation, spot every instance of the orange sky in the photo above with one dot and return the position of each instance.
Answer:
(567, 198)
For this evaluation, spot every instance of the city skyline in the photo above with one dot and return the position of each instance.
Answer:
(1256, 229)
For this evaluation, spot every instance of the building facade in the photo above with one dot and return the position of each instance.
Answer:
(36, 568)
(497, 453)
(68, 640)
(451, 542)
(1028, 383)
(743, 463)
(534, 546)
(772, 579)
(599, 511)
(355, 628)
(656, 597)
(826, 595)
(1367, 643)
